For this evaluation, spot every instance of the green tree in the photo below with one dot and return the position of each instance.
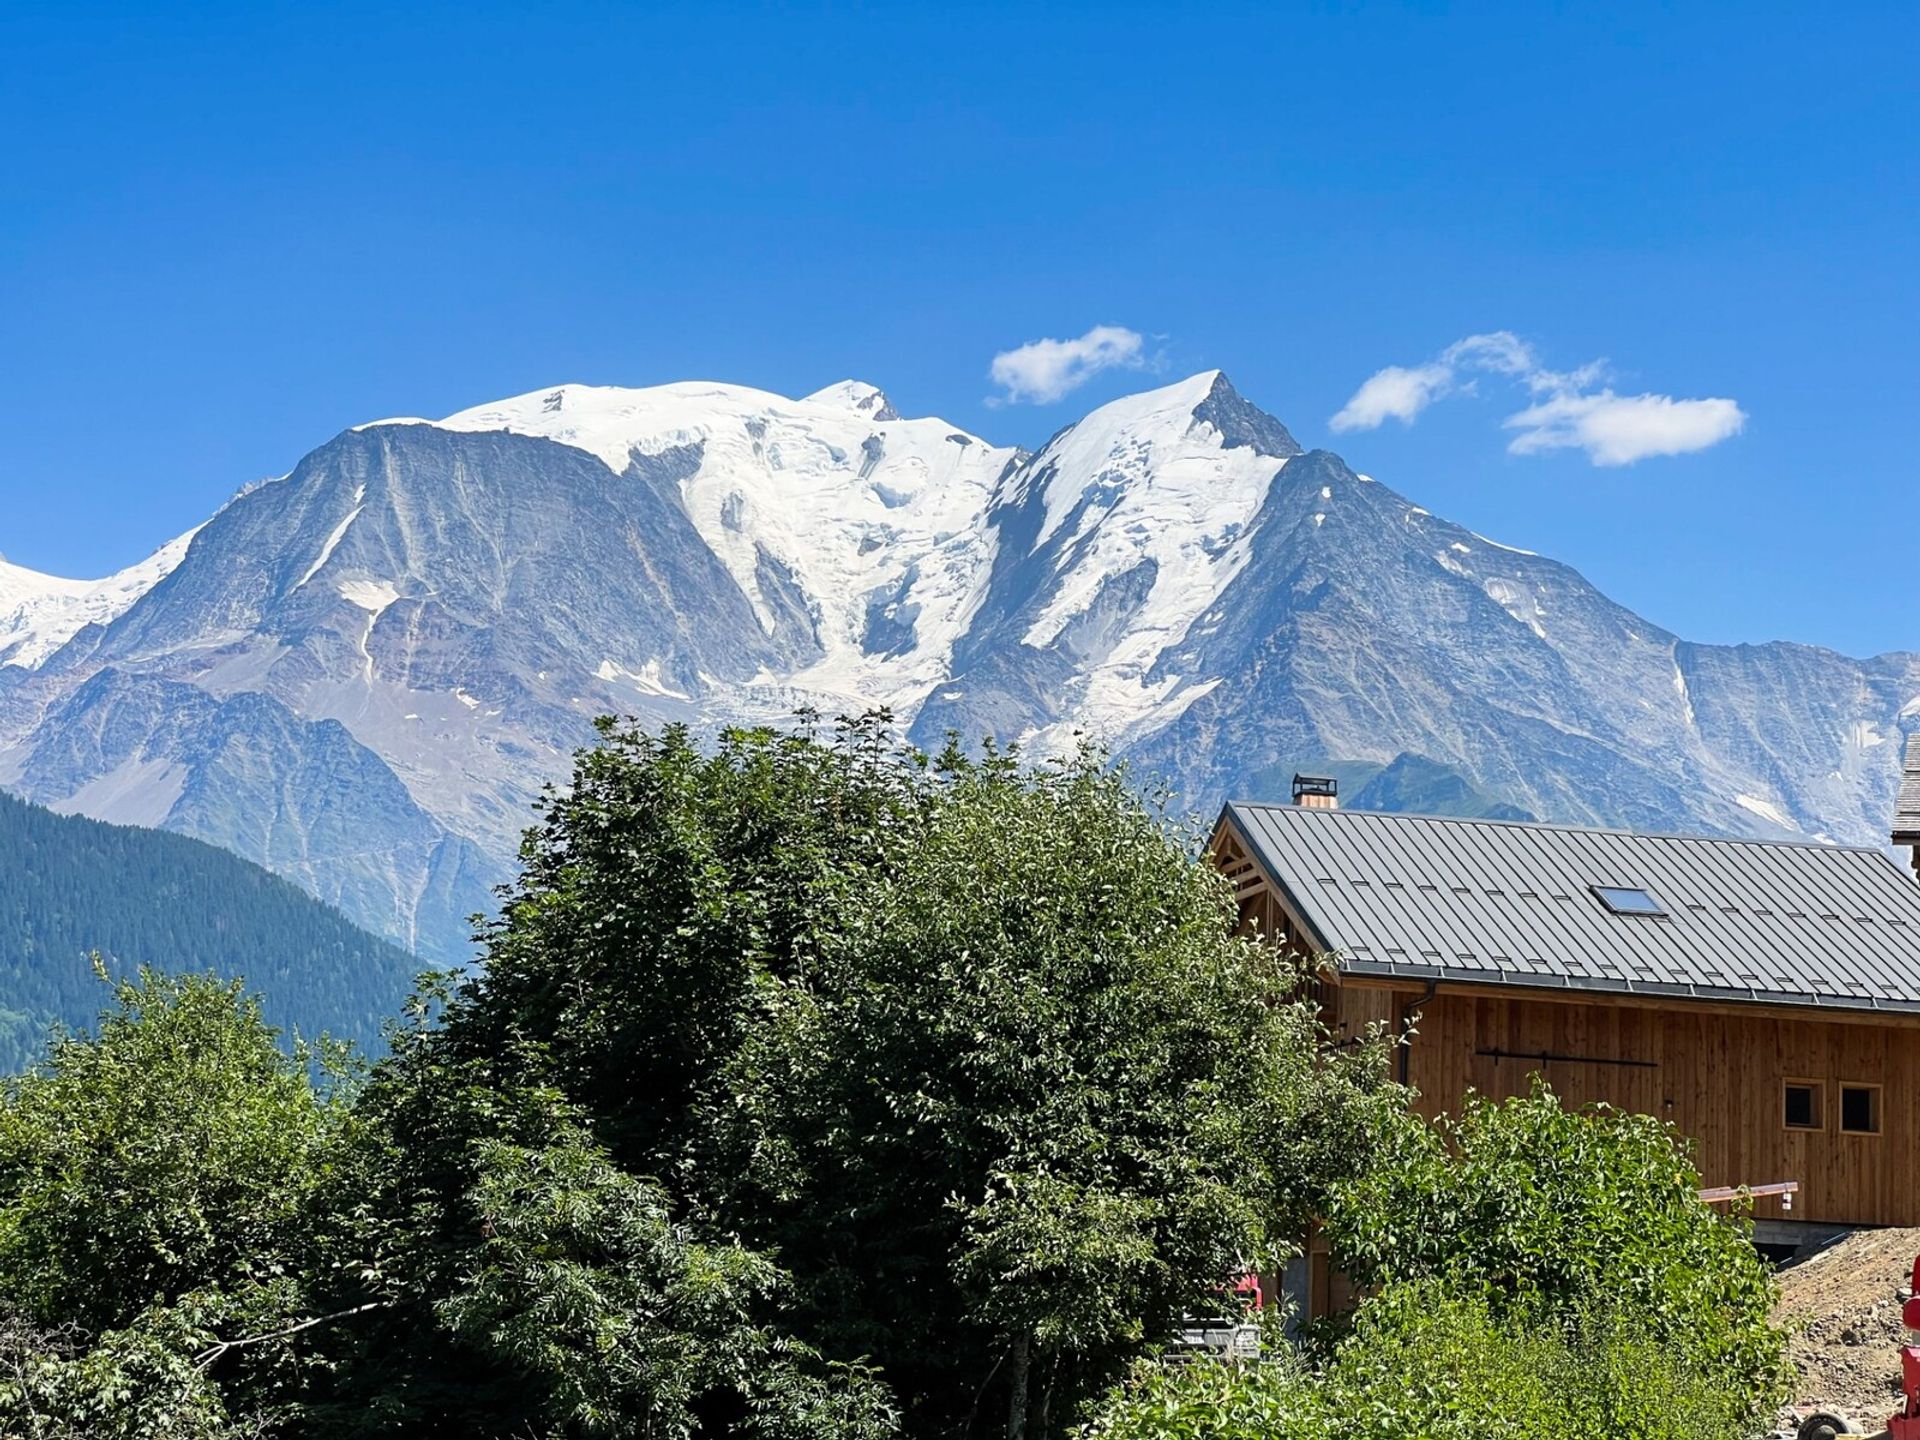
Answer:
(154, 1179)
(1033, 1100)
(498, 1274)
(968, 1046)
(584, 1282)
(169, 1151)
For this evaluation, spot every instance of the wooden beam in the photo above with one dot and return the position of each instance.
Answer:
(1721, 1194)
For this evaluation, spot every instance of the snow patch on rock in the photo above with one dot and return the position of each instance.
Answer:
(646, 679)
(372, 596)
(334, 537)
(1517, 600)
(1766, 810)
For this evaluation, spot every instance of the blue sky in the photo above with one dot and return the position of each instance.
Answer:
(228, 232)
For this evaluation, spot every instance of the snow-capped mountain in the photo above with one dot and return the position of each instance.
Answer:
(362, 673)
(40, 613)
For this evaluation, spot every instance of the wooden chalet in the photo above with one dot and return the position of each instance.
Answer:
(1763, 996)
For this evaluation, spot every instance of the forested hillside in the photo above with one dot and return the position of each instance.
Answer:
(70, 886)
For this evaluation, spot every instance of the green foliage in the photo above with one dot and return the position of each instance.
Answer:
(585, 1286)
(663, 886)
(169, 1151)
(1213, 1400)
(72, 887)
(968, 1045)
(1027, 1100)
(1529, 1273)
(146, 1381)
(501, 1274)
(1425, 1363)
(153, 1181)
(1535, 1208)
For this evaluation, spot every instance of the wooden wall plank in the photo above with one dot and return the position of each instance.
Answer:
(1718, 1078)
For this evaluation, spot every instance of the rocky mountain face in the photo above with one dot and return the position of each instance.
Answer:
(361, 674)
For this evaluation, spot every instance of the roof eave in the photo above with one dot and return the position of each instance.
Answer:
(1611, 985)
(1315, 929)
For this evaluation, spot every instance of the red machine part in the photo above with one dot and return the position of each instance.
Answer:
(1906, 1425)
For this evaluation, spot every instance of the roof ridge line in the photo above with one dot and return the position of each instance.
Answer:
(1488, 821)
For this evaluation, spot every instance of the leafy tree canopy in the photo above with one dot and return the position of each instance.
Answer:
(967, 1045)
(154, 1182)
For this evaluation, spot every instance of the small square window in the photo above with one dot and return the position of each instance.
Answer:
(1803, 1105)
(1628, 900)
(1860, 1109)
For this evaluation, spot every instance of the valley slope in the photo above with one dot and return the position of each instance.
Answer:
(71, 887)
(360, 675)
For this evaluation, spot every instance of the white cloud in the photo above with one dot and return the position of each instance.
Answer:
(1043, 371)
(1574, 408)
(1620, 429)
(1401, 392)
(1395, 393)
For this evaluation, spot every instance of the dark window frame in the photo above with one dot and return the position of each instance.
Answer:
(1818, 1090)
(1873, 1092)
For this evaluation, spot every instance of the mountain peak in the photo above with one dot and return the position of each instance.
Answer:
(1207, 397)
(858, 395)
(611, 420)
(1242, 423)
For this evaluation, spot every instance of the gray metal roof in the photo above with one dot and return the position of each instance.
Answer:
(1906, 817)
(1506, 903)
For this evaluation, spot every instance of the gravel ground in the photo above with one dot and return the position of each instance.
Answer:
(1844, 1307)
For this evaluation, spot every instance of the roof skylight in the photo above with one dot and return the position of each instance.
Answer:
(1628, 900)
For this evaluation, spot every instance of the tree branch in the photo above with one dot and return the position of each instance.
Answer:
(213, 1352)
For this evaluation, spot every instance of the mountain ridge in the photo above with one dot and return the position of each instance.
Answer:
(393, 647)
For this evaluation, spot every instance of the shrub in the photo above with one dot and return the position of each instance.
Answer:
(1545, 1212)
(1425, 1363)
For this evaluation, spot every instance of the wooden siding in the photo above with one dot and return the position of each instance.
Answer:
(1261, 911)
(1718, 1077)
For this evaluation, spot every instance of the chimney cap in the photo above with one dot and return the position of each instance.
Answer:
(1319, 786)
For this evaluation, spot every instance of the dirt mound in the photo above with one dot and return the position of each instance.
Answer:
(1843, 1305)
